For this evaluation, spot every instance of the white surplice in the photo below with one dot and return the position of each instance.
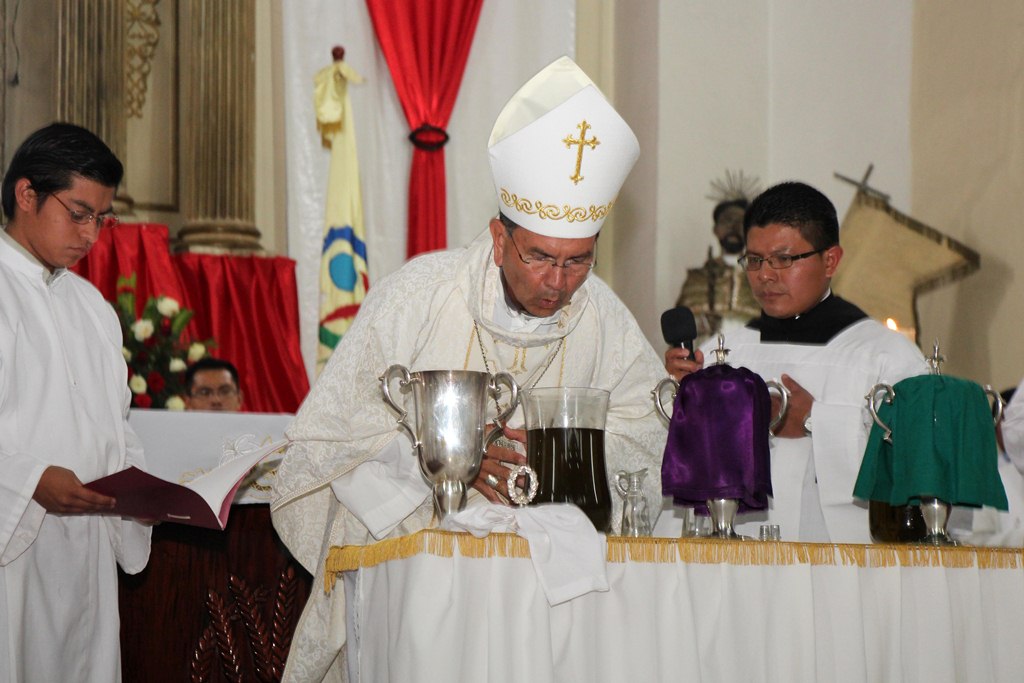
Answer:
(813, 477)
(350, 477)
(63, 401)
(1013, 428)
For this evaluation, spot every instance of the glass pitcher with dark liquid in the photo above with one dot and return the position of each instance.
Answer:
(565, 447)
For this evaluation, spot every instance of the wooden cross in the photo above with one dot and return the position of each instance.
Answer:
(580, 143)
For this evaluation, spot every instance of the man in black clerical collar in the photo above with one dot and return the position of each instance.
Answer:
(791, 233)
(826, 352)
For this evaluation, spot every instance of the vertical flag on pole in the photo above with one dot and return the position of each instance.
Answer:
(343, 271)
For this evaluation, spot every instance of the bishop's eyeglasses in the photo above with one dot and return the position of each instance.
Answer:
(576, 267)
(775, 261)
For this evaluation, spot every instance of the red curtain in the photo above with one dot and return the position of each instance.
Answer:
(139, 248)
(426, 44)
(248, 305)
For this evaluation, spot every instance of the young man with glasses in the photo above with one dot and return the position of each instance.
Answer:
(212, 384)
(826, 351)
(63, 418)
(521, 298)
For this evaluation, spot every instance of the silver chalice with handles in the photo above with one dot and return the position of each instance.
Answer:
(448, 423)
(897, 523)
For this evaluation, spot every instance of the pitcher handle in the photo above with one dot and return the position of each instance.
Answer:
(513, 402)
(621, 476)
(783, 405)
(405, 378)
(872, 399)
(656, 394)
(998, 404)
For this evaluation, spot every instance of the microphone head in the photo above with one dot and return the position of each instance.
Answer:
(678, 326)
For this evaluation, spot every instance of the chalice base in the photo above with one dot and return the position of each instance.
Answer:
(723, 516)
(936, 515)
(449, 498)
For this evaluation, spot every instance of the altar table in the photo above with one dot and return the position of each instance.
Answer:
(444, 606)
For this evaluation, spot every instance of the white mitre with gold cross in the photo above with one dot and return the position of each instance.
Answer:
(560, 153)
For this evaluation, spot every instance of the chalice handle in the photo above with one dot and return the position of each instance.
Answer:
(513, 402)
(998, 404)
(783, 405)
(659, 390)
(405, 378)
(887, 397)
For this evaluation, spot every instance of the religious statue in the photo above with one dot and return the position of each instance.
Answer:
(718, 292)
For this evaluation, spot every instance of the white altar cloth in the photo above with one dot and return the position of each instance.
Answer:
(181, 445)
(442, 606)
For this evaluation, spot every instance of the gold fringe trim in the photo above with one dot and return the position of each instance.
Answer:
(668, 551)
(429, 541)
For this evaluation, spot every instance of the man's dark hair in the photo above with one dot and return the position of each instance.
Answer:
(50, 158)
(799, 206)
(509, 224)
(209, 363)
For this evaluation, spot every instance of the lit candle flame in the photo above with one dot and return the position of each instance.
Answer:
(891, 324)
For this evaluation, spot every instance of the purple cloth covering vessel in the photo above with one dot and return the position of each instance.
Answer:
(718, 440)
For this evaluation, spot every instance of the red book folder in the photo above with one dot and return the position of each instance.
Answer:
(205, 501)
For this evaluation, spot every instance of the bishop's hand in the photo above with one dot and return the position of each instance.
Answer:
(494, 469)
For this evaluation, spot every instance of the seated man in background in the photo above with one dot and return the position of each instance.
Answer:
(826, 351)
(212, 384)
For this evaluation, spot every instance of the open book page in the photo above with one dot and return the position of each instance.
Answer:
(204, 501)
(181, 446)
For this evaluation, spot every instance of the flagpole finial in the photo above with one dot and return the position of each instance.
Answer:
(337, 53)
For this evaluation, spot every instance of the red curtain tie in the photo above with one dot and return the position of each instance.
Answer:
(429, 138)
(426, 44)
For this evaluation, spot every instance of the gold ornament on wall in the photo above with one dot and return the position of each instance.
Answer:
(142, 35)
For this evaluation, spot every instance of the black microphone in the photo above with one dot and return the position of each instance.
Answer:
(679, 328)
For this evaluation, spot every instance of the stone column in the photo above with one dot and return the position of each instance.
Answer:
(217, 122)
(90, 74)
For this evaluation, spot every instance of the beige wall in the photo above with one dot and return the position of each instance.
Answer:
(154, 149)
(967, 142)
(966, 128)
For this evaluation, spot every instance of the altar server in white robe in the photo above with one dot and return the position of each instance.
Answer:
(825, 350)
(520, 298)
(1012, 428)
(63, 419)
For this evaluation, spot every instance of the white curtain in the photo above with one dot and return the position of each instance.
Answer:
(513, 41)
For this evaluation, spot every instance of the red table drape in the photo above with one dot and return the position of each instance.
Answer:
(426, 44)
(247, 304)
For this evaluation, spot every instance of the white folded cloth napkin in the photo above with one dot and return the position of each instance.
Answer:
(567, 551)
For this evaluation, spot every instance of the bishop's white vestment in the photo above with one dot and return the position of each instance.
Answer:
(63, 401)
(813, 477)
(349, 476)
